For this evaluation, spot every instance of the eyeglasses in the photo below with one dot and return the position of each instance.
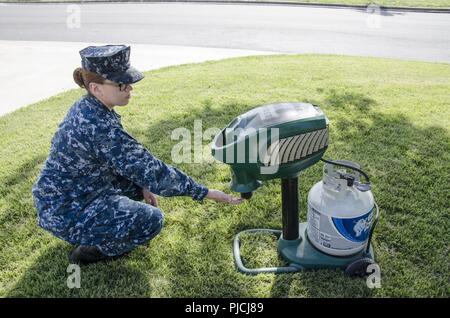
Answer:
(121, 86)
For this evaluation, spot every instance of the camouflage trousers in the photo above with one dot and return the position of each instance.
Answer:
(116, 224)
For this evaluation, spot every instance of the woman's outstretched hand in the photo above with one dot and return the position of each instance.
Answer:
(150, 198)
(220, 196)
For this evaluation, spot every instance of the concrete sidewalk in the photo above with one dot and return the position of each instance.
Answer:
(32, 71)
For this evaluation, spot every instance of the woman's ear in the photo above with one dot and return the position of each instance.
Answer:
(91, 87)
(94, 89)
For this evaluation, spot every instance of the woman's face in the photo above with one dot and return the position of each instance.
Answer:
(111, 93)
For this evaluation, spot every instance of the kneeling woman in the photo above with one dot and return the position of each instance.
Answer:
(91, 188)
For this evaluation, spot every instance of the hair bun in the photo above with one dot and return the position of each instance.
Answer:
(78, 77)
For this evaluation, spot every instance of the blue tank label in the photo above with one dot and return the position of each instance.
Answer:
(355, 229)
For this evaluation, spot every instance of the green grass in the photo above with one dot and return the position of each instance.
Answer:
(386, 3)
(391, 116)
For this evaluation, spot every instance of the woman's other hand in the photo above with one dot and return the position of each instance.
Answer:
(150, 198)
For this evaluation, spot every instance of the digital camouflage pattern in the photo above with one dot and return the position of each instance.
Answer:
(90, 188)
(111, 62)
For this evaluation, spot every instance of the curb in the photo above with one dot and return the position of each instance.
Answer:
(250, 2)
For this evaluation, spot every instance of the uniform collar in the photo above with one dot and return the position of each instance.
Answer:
(102, 107)
(97, 102)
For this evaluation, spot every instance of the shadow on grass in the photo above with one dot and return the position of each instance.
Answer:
(14, 187)
(406, 163)
(48, 277)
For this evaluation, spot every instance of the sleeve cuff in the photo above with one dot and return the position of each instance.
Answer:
(199, 192)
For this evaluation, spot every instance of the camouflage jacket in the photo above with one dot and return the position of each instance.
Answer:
(88, 151)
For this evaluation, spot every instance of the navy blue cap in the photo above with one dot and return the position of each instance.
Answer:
(111, 62)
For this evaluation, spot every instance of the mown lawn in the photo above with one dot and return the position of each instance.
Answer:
(386, 3)
(391, 116)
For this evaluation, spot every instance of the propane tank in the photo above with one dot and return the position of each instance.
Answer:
(340, 210)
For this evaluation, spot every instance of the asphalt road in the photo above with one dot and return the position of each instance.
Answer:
(290, 29)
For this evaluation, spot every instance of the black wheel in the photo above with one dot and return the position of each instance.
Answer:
(358, 268)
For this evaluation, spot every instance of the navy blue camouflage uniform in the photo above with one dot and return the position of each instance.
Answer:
(90, 189)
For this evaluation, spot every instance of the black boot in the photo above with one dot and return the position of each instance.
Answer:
(87, 255)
